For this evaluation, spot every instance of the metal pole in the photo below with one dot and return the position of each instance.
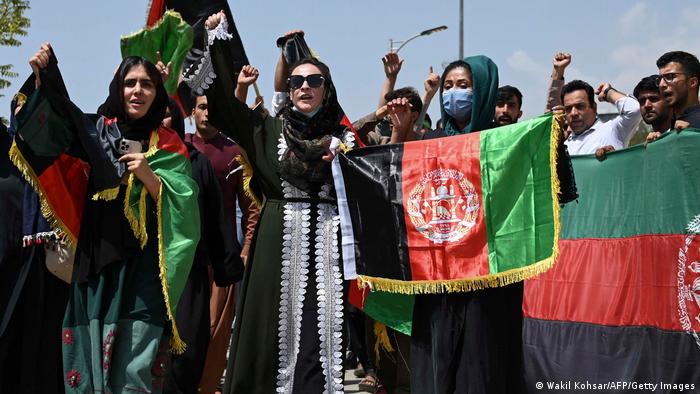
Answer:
(461, 29)
(406, 42)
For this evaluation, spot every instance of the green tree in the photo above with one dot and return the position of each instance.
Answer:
(13, 24)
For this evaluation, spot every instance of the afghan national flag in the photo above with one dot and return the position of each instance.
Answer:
(622, 303)
(171, 36)
(51, 151)
(448, 215)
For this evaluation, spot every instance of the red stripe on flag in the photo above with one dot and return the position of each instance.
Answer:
(168, 140)
(438, 204)
(155, 12)
(346, 122)
(615, 282)
(67, 199)
(357, 296)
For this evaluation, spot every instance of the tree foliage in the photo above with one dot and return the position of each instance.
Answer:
(13, 24)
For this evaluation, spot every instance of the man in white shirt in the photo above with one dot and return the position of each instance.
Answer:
(588, 132)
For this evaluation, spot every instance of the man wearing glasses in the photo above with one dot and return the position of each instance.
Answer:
(680, 76)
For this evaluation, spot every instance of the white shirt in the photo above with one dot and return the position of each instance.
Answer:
(616, 132)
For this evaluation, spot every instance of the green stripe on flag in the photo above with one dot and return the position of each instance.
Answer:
(622, 206)
(394, 310)
(178, 230)
(517, 194)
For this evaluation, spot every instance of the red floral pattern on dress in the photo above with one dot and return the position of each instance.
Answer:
(73, 378)
(158, 367)
(67, 336)
(107, 347)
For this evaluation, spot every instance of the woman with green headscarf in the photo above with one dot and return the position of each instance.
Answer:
(468, 96)
(467, 342)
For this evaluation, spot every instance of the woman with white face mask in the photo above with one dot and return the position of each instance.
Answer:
(467, 342)
(467, 96)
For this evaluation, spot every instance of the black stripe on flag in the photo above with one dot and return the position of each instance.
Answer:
(580, 352)
(379, 228)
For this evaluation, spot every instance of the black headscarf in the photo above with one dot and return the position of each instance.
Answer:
(302, 165)
(139, 129)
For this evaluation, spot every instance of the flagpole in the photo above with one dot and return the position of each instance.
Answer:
(461, 29)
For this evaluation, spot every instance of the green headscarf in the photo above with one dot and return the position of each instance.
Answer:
(485, 87)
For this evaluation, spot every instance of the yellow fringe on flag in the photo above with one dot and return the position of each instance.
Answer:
(177, 345)
(138, 225)
(152, 144)
(247, 177)
(555, 140)
(46, 209)
(487, 281)
(106, 195)
(21, 99)
(382, 335)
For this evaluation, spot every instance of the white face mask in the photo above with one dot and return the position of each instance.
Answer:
(458, 103)
(307, 114)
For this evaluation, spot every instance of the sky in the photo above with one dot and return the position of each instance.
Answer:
(610, 41)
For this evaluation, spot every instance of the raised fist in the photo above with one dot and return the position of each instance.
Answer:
(248, 75)
(561, 60)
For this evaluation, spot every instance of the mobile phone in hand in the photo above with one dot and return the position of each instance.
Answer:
(128, 146)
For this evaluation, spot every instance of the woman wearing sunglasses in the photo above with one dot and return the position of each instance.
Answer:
(288, 335)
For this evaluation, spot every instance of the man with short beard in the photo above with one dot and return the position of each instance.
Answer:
(653, 107)
(508, 106)
(680, 76)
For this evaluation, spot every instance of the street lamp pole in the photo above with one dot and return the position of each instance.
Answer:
(404, 42)
(461, 29)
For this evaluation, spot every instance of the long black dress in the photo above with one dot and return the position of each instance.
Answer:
(186, 370)
(288, 335)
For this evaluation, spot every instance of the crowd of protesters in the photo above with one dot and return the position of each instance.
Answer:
(263, 304)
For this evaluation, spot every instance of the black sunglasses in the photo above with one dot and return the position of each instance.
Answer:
(314, 81)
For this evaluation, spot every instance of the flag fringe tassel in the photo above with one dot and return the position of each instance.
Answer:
(383, 342)
(177, 345)
(46, 209)
(247, 177)
(106, 195)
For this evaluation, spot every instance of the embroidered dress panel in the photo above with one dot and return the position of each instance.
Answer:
(295, 270)
(329, 283)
